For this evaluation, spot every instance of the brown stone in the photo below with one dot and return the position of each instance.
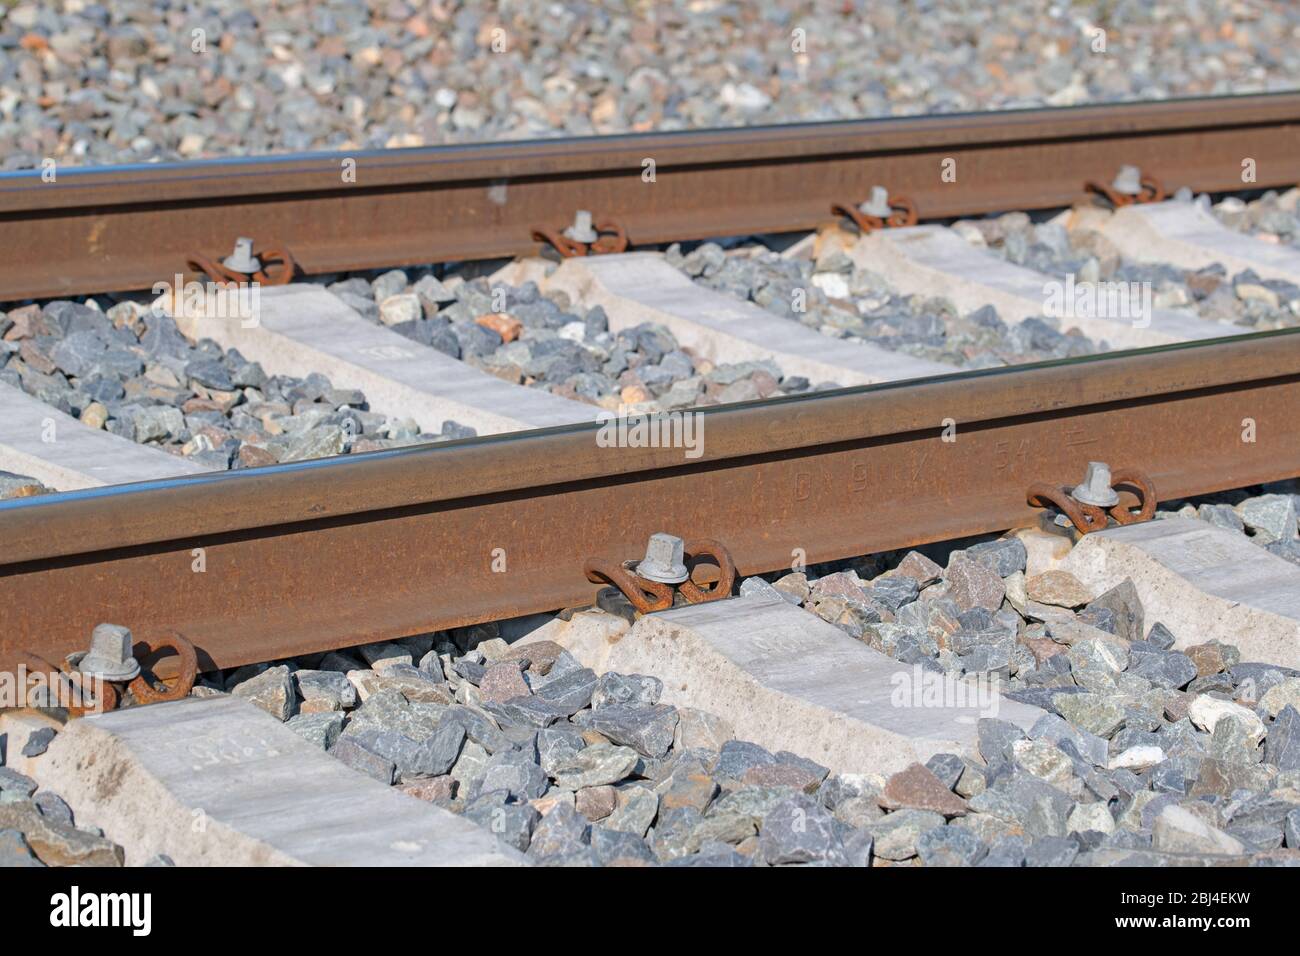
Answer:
(794, 585)
(502, 681)
(972, 585)
(918, 566)
(688, 790)
(1212, 657)
(783, 775)
(596, 803)
(440, 790)
(1043, 648)
(1057, 588)
(917, 788)
(253, 456)
(842, 584)
(506, 326)
(539, 657)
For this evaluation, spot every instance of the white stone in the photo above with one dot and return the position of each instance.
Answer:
(1206, 712)
(1137, 758)
(1090, 816)
(1203, 582)
(1177, 830)
(216, 782)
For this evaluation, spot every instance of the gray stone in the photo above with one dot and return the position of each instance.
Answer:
(560, 832)
(54, 807)
(437, 754)
(619, 847)
(896, 834)
(478, 728)
(1169, 669)
(321, 729)
(514, 772)
(1161, 636)
(570, 692)
(38, 741)
(325, 690)
(1007, 851)
(1004, 557)
(950, 846)
(947, 767)
(1270, 517)
(15, 851)
(15, 785)
(272, 691)
(514, 824)
(739, 756)
(1292, 829)
(894, 590)
(1123, 601)
(1282, 745)
(593, 766)
(799, 830)
(647, 729)
(636, 811)
(636, 690)
(556, 745)
(996, 737)
(532, 711)
(1056, 729)
(350, 751)
(1051, 851)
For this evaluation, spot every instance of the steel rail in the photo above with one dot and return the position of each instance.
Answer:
(330, 553)
(95, 230)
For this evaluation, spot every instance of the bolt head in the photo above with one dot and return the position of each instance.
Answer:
(110, 654)
(582, 230)
(1096, 488)
(878, 204)
(242, 259)
(1128, 181)
(664, 560)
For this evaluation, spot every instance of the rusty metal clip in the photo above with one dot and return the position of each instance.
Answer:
(601, 238)
(272, 267)
(1130, 188)
(145, 688)
(871, 215)
(50, 675)
(648, 596)
(156, 691)
(1086, 517)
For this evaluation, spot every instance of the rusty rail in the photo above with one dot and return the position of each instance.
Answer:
(329, 553)
(97, 230)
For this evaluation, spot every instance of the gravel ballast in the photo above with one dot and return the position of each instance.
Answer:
(91, 83)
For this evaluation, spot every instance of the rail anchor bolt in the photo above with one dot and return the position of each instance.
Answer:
(665, 559)
(878, 204)
(1128, 181)
(1096, 487)
(109, 657)
(582, 230)
(242, 259)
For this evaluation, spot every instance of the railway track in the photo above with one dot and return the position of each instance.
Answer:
(527, 506)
